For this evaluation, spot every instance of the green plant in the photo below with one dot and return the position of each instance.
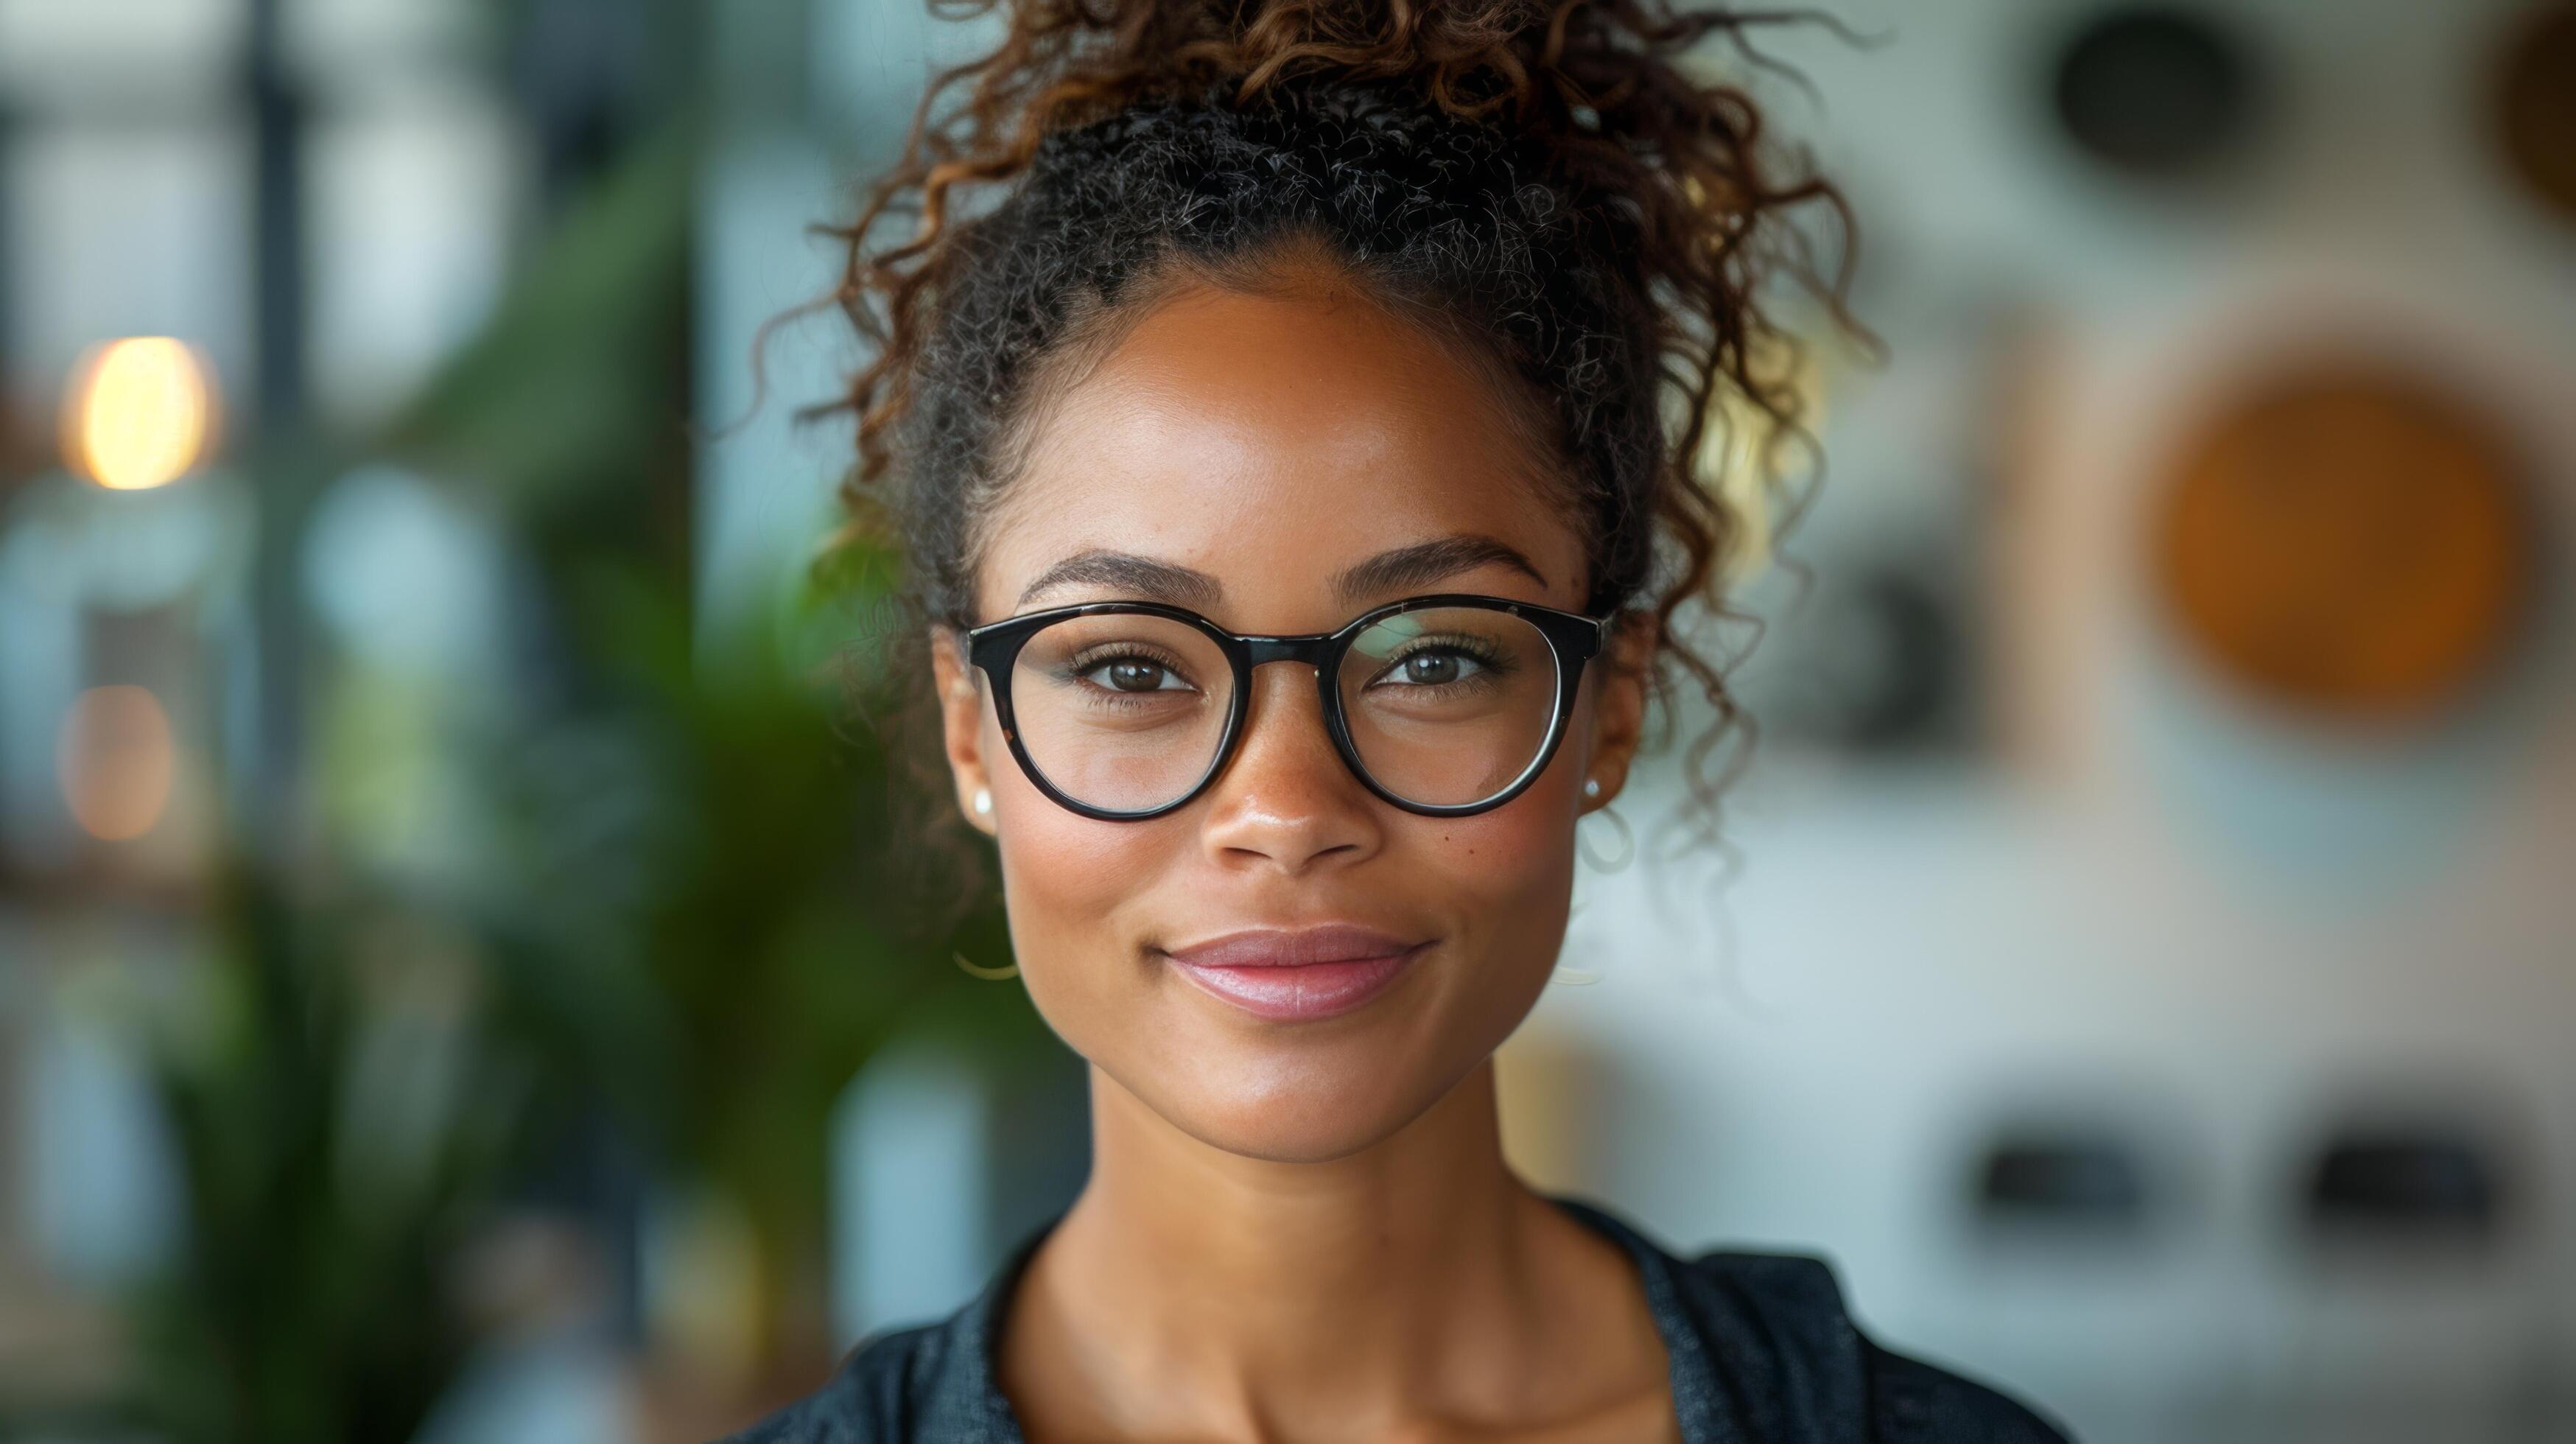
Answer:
(338, 1116)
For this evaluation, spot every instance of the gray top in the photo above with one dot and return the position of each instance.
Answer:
(1762, 1353)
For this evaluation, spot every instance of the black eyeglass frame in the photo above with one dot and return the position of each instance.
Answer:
(994, 649)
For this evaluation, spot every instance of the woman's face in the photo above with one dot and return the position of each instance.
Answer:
(1270, 445)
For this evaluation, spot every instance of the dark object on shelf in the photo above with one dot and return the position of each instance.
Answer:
(2086, 1181)
(2154, 90)
(1899, 652)
(2535, 104)
(2406, 1186)
(1877, 663)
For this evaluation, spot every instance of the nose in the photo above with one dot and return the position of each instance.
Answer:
(1285, 800)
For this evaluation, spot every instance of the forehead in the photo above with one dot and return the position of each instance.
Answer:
(1271, 441)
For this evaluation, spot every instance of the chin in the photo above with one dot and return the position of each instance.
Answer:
(1288, 1130)
(1310, 1107)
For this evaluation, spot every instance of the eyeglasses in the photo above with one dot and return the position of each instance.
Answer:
(1444, 705)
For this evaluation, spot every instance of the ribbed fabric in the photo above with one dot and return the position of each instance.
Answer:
(1763, 1352)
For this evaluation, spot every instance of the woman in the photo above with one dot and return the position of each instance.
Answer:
(1280, 463)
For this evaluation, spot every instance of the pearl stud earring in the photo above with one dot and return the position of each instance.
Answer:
(1592, 787)
(983, 802)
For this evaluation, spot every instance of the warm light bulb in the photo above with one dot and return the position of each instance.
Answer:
(139, 414)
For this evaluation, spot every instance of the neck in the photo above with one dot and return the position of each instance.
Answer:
(1235, 1291)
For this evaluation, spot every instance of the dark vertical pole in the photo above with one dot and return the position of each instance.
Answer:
(9, 443)
(278, 302)
(277, 134)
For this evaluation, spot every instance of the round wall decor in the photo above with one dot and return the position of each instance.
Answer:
(2348, 542)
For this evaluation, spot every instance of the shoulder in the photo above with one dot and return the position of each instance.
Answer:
(1914, 1402)
(1827, 1378)
(879, 1395)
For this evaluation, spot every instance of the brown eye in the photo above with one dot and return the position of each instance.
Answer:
(1130, 674)
(1435, 666)
(1133, 676)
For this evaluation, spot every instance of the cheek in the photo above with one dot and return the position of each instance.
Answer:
(1073, 889)
(1069, 881)
(1070, 892)
(1505, 878)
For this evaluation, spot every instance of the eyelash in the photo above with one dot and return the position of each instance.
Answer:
(1078, 669)
(1488, 659)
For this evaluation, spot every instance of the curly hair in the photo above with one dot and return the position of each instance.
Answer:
(1538, 183)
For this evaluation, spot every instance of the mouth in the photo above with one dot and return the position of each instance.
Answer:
(1301, 974)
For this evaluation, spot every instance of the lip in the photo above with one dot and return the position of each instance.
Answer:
(1297, 974)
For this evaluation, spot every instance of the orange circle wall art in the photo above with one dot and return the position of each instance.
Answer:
(2347, 542)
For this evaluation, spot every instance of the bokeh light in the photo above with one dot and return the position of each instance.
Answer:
(140, 413)
(117, 762)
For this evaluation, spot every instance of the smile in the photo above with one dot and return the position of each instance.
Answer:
(1306, 974)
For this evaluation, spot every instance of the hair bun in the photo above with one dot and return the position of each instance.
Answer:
(1598, 68)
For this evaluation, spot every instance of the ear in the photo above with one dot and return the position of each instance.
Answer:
(1619, 703)
(961, 721)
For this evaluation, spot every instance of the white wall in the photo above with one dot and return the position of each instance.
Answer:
(2143, 898)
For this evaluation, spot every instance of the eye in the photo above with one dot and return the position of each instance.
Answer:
(1133, 674)
(1433, 666)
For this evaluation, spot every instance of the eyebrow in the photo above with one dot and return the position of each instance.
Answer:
(1145, 577)
(1426, 562)
(1159, 581)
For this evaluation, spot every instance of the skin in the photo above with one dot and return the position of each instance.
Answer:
(1299, 1230)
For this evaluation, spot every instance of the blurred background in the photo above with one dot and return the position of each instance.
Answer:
(455, 982)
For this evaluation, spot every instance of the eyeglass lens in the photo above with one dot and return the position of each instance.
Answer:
(1125, 712)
